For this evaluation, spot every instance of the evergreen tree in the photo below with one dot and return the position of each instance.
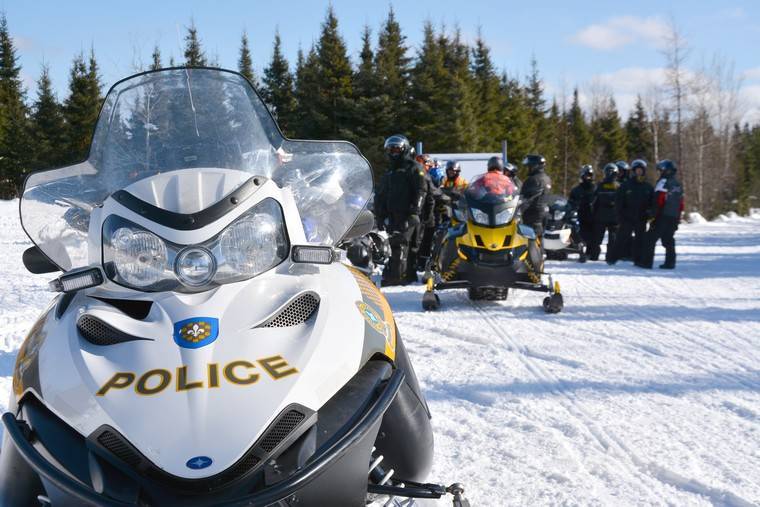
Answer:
(580, 141)
(486, 96)
(309, 118)
(194, 55)
(47, 125)
(155, 63)
(15, 143)
(80, 110)
(333, 83)
(609, 135)
(245, 65)
(392, 76)
(277, 88)
(368, 106)
(515, 120)
(459, 133)
(534, 95)
(638, 133)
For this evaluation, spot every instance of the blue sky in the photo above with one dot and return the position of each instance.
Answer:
(612, 44)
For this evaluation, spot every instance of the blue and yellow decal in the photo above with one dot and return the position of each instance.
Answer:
(196, 332)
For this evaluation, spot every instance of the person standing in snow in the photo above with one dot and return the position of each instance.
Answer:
(535, 192)
(633, 204)
(605, 217)
(582, 201)
(668, 204)
(428, 217)
(399, 202)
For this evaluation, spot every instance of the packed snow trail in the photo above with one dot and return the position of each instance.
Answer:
(645, 390)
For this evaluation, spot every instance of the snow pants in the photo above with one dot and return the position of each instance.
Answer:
(595, 245)
(664, 230)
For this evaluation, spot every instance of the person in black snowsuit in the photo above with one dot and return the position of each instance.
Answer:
(399, 201)
(534, 193)
(582, 201)
(428, 216)
(511, 171)
(668, 205)
(605, 216)
(634, 208)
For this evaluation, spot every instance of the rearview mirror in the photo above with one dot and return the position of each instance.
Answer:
(36, 262)
(363, 225)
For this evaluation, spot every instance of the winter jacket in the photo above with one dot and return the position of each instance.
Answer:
(534, 193)
(582, 200)
(634, 201)
(604, 202)
(668, 198)
(402, 191)
(458, 183)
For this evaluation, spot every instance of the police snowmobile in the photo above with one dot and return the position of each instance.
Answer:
(488, 251)
(562, 233)
(206, 348)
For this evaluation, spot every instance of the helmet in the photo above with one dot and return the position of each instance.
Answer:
(668, 168)
(397, 147)
(425, 160)
(622, 165)
(610, 171)
(587, 172)
(639, 163)
(452, 166)
(510, 170)
(496, 164)
(534, 162)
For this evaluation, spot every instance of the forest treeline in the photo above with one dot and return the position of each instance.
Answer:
(446, 93)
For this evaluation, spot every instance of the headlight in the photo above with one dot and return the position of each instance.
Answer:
(459, 215)
(137, 258)
(505, 216)
(479, 216)
(559, 214)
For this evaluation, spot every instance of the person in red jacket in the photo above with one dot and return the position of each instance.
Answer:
(668, 205)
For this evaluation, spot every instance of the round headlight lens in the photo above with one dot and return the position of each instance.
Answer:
(559, 214)
(138, 256)
(253, 244)
(195, 266)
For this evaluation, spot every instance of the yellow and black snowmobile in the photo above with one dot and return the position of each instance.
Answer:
(486, 249)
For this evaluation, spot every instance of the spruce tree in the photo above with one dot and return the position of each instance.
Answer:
(392, 76)
(277, 88)
(579, 137)
(486, 97)
(638, 133)
(80, 110)
(194, 55)
(309, 119)
(47, 125)
(334, 77)
(459, 133)
(515, 120)
(367, 107)
(15, 143)
(534, 94)
(245, 65)
(609, 135)
(155, 57)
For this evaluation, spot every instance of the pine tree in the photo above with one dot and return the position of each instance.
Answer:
(15, 143)
(80, 110)
(486, 96)
(245, 66)
(392, 76)
(277, 88)
(515, 121)
(459, 133)
(638, 133)
(309, 118)
(47, 125)
(194, 55)
(609, 135)
(155, 63)
(368, 107)
(579, 137)
(534, 94)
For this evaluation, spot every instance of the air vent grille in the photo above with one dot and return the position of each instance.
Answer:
(281, 430)
(296, 312)
(98, 332)
(119, 448)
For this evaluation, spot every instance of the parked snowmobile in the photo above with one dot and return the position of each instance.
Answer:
(562, 234)
(206, 348)
(487, 251)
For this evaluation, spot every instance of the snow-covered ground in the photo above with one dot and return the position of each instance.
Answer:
(644, 391)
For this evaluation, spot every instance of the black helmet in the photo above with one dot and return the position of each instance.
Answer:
(622, 165)
(587, 172)
(668, 168)
(397, 147)
(639, 163)
(534, 163)
(510, 170)
(496, 164)
(610, 171)
(453, 166)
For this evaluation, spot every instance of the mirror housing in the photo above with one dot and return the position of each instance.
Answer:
(37, 262)
(363, 225)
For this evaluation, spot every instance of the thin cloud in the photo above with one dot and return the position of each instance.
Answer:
(622, 31)
(752, 74)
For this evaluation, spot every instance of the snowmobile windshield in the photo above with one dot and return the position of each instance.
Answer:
(178, 119)
(491, 188)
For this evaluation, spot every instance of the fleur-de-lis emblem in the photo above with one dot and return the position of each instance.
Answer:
(195, 330)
